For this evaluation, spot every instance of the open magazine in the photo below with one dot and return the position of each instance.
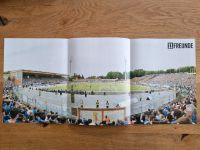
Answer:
(99, 81)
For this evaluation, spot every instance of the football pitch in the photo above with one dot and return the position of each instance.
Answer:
(101, 87)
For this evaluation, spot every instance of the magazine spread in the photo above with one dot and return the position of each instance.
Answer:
(99, 81)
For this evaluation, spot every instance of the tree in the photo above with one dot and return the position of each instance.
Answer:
(101, 77)
(189, 69)
(170, 71)
(137, 73)
(114, 75)
(82, 76)
(92, 77)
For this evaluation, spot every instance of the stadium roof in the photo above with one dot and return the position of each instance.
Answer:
(37, 72)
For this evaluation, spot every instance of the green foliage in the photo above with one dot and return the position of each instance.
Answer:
(189, 69)
(101, 77)
(141, 72)
(137, 73)
(114, 75)
(92, 77)
(76, 76)
(170, 71)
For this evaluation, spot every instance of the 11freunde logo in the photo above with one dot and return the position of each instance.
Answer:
(173, 45)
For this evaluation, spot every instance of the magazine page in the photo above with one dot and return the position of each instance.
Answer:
(98, 82)
(33, 69)
(163, 81)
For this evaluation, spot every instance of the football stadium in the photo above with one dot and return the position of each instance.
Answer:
(91, 85)
(25, 99)
(173, 103)
(44, 97)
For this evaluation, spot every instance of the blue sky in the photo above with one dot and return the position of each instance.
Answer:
(36, 54)
(98, 56)
(153, 54)
(94, 56)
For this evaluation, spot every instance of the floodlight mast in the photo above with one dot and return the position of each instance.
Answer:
(70, 66)
(125, 77)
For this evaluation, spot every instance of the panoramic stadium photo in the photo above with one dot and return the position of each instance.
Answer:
(98, 81)
(167, 80)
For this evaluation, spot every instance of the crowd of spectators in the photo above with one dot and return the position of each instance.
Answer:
(105, 122)
(172, 80)
(175, 112)
(41, 84)
(178, 111)
(16, 111)
(34, 81)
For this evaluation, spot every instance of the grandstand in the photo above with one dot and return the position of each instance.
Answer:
(27, 77)
(34, 96)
